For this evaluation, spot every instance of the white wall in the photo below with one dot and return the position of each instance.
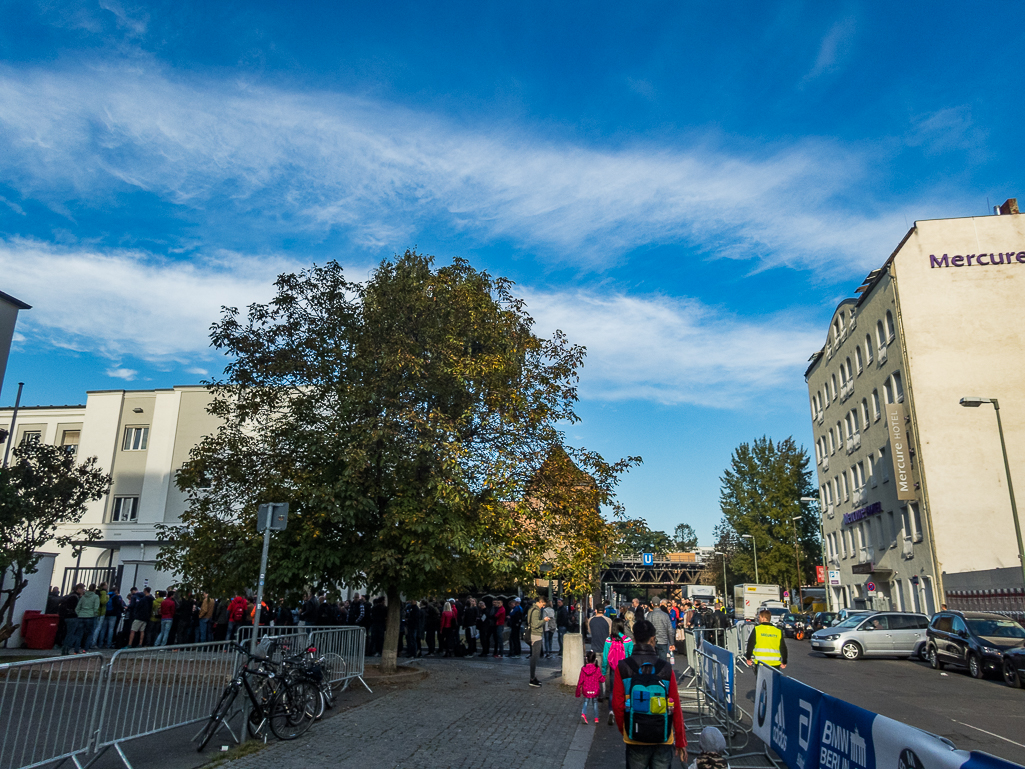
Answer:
(964, 337)
(34, 595)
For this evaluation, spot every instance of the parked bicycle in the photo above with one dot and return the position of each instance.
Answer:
(287, 704)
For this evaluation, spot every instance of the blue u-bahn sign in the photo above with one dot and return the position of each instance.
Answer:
(647, 558)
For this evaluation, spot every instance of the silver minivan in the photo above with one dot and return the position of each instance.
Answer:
(876, 634)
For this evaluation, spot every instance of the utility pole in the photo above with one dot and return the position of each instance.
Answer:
(14, 421)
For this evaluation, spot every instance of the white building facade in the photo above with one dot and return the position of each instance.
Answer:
(916, 510)
(142, 438)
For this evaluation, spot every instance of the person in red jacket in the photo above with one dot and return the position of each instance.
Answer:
(589, 684)
(236, 614)
(650, 755)
(499, 629)
(448, 628)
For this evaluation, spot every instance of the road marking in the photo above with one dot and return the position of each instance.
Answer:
(989, 733)
(576, 757)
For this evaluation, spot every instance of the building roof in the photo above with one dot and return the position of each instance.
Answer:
(72, 407)
(16, 302)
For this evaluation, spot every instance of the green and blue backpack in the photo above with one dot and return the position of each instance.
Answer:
(648, 711)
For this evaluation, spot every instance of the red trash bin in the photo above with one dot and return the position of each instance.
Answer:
(39, 630)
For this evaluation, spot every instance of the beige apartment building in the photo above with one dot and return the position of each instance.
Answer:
(916, 510)
(141, 437)
(9, 309)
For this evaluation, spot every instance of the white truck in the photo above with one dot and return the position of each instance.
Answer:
(747, 598)
(703, 593)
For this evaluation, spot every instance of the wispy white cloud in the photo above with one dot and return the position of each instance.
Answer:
(945, 130)
(129, 304)
(197, 371)
(834, 48)
(119, 303)
(122, 373)
(262, 157)
(673, 350)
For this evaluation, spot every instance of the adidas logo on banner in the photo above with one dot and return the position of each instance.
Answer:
(779, 728)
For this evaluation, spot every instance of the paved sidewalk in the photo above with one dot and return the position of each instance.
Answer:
(468, 713)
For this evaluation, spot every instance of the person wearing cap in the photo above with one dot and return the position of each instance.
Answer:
(713, 750)
(766, 644)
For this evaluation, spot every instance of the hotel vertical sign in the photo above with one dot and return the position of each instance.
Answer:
(899, 451)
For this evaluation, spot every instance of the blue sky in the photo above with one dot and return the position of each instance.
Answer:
(686, 189)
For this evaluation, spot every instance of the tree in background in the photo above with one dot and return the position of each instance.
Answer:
(43, 489)
(760, 495)
(406, 420)
(635, 538)
(684, 538)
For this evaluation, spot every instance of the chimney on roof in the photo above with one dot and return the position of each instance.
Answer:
(1009, 207)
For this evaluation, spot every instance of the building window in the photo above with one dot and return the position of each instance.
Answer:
(846, 488)
(882, 465)
(31, 436)
(916, 521)
(905, 521)
(136, 438)
(125, 509)
(864, 413)
(898, 387)
(888, 390)
(843, 541)
(868, 348)
(858, 360)
(869, 460)
(69, 441)
(891, 334)
(880, 334)
(835, 390)
(900, 595)
(875, 405)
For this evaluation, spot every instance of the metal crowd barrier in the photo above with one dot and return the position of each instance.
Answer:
(77, 707)
(349, 644)
(153, 689)
(45, 706)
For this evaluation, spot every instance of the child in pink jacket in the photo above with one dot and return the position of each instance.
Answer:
(589, 684)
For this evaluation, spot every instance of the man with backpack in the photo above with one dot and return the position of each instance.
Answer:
(535, 636)
(236, 615)
(646, 705)
(112, 610)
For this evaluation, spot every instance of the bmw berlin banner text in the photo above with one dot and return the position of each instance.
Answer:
(812, 730)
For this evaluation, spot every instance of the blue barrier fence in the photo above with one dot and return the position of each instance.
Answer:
(809, 729)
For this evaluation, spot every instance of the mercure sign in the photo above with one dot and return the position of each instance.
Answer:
(976, 260)
(899, 451)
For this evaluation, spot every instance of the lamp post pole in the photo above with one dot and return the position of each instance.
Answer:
(797, 555)
(754, 546)
(725, 588)
(975, 402)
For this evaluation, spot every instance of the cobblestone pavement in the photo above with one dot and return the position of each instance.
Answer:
(468, 713)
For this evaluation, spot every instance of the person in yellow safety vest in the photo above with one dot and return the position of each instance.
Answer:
(766, 644)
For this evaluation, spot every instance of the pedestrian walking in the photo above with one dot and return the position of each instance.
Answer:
(514, 620)
(549, 617)
(646, 705)
(88, 611)
(535, 636)
(139, 612)
(168, 607)
(589, 684)
(618, 646)
(68, 615)
(112, 611)
(659, 617)
(766, 644)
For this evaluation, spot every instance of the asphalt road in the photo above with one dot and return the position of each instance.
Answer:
(974, 714)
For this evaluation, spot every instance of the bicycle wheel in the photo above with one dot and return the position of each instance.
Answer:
(219, 714)
(293, 710)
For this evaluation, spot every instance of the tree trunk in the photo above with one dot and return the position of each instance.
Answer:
(389, 654)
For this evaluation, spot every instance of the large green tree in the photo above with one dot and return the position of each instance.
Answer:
(685, 539)
(760, 496)
(406, 419)
(41, 493)
(636, 537)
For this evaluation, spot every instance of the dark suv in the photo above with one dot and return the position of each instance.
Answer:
(972, 639)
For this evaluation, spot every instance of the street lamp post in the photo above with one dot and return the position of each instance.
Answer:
(797, 556)
(975, 402)
(754, 546)
(725, 591)
(825, 564)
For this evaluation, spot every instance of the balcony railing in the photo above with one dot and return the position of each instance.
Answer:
(866, 555)
(881, 356)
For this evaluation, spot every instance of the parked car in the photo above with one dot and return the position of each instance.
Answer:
(873, 634)
(844, 614)
(822, 619)
(1014, 667)
(973, 640)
